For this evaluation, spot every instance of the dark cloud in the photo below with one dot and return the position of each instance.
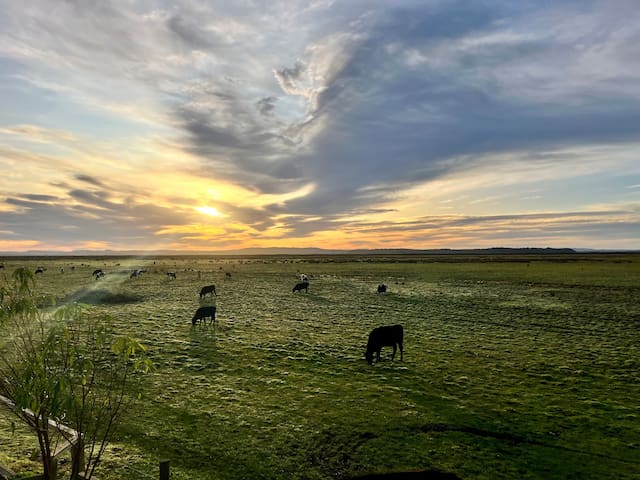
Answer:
(392, 123)
(94, 218)
(40, 198)
(266, 105)
(189, 31)
(288, 77)
(89, 179)
(19, 202)
(236, 144)
(389, 123)
(91, 197)
(207, 135)
(422, 89)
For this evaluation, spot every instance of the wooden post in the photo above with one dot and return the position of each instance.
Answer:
(77, 456)
(164, 469)
(54, 468)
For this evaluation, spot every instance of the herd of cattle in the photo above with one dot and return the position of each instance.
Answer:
(385, 336)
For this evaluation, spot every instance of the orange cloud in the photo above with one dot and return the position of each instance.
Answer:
(19, 245)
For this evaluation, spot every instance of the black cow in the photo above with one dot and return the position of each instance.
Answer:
(39, 270)
(97, 273)
(203, 313)
(382, 288)
(208, 289)
(387, 336)
(171, 275)
(301, 286)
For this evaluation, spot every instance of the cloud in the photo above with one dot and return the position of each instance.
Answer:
(393, 122)
(38, 134)
(382, 106)
(266, 105)
(85, 216)
(89, 179)
(289, 78)
(190, 32)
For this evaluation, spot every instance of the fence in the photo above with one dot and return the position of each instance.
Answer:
(72, 441)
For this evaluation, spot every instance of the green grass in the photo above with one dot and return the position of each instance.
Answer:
(515, 367)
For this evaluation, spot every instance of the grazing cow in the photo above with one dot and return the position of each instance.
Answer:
(227, 275)
(382, 288)
(203, 313)
(301, 286)
(171, 275)
(98, 273)
(39, 270)
(388, 336)
(208, 289)
(137, 273)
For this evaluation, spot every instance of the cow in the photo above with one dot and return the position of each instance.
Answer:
(208, 289)
(227, 276)
(97, 272)
(171, 275)
(301, 286)
(40, 270)
(387, 336)
(137, 273)
(203, 313)
(382, 288)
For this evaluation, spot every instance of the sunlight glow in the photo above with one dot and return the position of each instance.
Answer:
(212, 211)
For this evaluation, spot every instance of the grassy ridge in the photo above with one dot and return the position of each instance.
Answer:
(513, 369)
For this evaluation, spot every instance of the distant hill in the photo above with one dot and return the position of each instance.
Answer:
(481, 251)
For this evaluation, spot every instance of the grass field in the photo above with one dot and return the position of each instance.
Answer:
(514, 367)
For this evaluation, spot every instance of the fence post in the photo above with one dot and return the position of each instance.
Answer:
(164, 469)
(54, 468)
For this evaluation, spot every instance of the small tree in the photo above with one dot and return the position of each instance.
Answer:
(66, 368)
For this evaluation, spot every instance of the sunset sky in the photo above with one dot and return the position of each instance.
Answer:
(215, 125)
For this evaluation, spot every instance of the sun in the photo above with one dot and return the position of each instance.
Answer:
(212, 211)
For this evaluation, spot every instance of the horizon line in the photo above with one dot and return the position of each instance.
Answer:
(310, 251)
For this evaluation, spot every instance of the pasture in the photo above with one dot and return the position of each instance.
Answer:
(520, 367)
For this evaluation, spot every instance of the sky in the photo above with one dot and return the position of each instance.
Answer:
(196, 125)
